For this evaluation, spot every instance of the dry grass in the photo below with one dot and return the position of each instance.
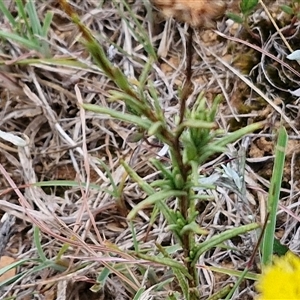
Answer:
(40, 99)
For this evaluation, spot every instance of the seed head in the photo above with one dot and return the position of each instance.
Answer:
(197, 13)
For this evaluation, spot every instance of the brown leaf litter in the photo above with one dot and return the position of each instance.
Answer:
(38, 100)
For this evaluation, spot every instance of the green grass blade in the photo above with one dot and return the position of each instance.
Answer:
(13, 265)
(7, 14)
(165, 261)
(221, 293)
(140, 33)
(102, 277)
(237, 284)
(146, 124)
(71, 183)
(159, 196)
(219, 238)
(29, 44)
(267, 248)
(134, 238)
(146, 187)
(34, 18)
(230, 272)
(46, 24)
(23, 16)
(138, 295)
(37, 242)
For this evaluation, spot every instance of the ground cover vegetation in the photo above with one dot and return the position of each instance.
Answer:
(149, 149)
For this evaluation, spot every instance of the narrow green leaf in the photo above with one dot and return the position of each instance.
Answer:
(193, 227)
(7, 14)
(182, 281)
(46, 24)
(142, 183)
(287, 9)
(13, 265)
(139, 32)
(237, 284)
(139, 294)
(37, 242)
(116, 192)
(29, 44)
(220, 238)
(35, 24)
(234, 17)
(61, 252)
(158, 196)
(234, 136)
(235, 273)
(155, 127)
(134, 238)
(221, 293)
(273, 199)
(164, 261)
(132, 119)
(102, 277)
(73, 184)
(23, 16)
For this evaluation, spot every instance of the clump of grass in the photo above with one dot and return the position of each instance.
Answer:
(26, 28)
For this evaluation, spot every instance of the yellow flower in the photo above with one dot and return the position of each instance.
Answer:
(281, 280)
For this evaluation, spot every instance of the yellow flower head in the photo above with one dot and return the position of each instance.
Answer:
(281, 280)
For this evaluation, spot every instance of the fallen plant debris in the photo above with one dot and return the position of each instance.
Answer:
(130, 183)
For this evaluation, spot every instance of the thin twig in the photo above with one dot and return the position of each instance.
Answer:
(188, 83)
